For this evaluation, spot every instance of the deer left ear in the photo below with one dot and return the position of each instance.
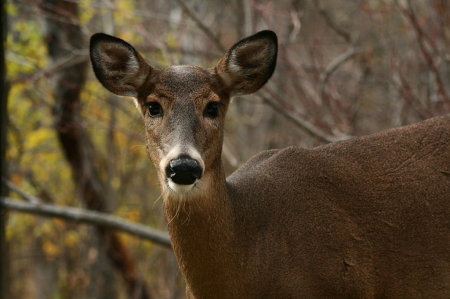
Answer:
(248, 65)
(118, 66)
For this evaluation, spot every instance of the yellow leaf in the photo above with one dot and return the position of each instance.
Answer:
(71, 238)
(10, 9)
(115, 182)
(16, 179)
(134, 215)
(171, 40)
(50, 249)
(60, 223)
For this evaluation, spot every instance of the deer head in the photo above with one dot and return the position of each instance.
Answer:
(184, 106)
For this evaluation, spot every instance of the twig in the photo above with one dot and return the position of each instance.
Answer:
(339, 30)
(228, 154)
(50, 11)
(73, 59)
(202, 26)
(91, 217)
(332, 67)
(309, 128)
(25, 195)
(428, 57)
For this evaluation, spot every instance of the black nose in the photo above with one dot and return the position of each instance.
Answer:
(184, 170)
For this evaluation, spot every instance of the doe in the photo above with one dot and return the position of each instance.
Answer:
(363, 218)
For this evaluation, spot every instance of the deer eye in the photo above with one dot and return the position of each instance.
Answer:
(154, 109)
(212, 109)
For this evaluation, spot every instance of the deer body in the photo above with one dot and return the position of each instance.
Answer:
(364, 218)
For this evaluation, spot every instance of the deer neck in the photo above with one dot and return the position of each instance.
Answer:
(201, 228)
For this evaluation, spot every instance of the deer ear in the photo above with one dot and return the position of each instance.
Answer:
(118, 66)
(248, 65)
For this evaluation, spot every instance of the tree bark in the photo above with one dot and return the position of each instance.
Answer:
(4, 260)
(65, 38)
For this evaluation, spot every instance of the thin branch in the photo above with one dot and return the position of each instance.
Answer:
(71, 60)
(339, 30)
(308, 127)
(90, 217)
(228, 155)
(25, 195)
(428, 57)
(202, 26)
(332, 67)
(52, 12)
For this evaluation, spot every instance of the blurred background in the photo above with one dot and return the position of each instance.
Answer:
(345, 68)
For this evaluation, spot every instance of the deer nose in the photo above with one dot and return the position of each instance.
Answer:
(184, 171)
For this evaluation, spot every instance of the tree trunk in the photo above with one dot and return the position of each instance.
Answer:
(65, 38)
(3, 97)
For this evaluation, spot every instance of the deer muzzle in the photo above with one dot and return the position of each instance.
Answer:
(184, 170)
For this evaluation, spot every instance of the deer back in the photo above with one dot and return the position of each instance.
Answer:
(370, 214)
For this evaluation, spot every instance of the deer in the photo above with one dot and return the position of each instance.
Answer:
(367, 217)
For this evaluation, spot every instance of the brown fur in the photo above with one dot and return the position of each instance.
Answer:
(364, 218)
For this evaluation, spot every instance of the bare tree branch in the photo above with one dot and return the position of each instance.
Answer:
(90, 217)
(25, 195)
(339, 30)
(202, 26)
(36, 206)
(428, 57)
(332, 67)
(73, 59)
(309, 128)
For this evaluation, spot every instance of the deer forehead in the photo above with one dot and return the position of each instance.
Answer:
(183, 82)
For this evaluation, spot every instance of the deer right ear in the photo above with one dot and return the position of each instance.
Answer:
(248, 65)
(118, 66)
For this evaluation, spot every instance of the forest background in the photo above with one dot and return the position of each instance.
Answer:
(345, 68)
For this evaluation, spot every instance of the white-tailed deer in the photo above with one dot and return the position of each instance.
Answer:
(363, 218)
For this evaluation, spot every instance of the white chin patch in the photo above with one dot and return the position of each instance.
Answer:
(181, 189)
